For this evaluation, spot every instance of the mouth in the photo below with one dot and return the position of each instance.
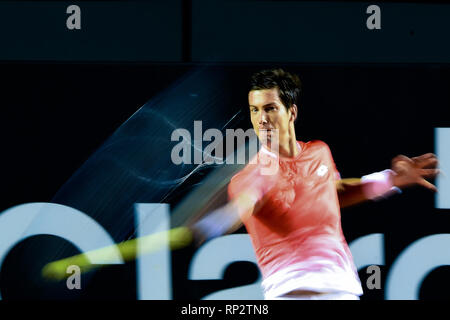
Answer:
(265, 134)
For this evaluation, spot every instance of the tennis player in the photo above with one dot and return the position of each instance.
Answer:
(293, 214)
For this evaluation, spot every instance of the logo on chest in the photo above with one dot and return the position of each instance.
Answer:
(323, 169)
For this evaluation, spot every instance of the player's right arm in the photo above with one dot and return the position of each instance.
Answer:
(225, 219)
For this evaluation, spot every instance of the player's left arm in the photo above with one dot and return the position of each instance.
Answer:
(404, 172)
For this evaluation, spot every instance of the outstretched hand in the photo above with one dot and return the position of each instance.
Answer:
(414, 171)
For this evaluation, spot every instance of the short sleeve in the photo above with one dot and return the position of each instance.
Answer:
(336, 173)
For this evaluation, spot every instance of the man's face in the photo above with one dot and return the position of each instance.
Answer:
(267, 113)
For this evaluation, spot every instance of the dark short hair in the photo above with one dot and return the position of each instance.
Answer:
(288, 84)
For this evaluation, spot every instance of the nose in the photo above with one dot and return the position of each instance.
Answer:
(262, 118)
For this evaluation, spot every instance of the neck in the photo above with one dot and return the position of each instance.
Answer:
(288, 148)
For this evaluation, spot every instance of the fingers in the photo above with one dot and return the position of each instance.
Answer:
(424, 156)
(427, 185)
(429, 163)
(423, 166)
(428, 173)
(428, 160)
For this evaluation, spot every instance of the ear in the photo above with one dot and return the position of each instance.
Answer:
(294, 112)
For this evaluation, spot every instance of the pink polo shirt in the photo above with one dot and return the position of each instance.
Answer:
(295, 228)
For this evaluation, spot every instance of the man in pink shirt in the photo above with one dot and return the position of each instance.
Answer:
(293, 214)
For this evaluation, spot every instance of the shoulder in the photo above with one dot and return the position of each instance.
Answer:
(319, 149)
(249, 172)
(316, 145)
